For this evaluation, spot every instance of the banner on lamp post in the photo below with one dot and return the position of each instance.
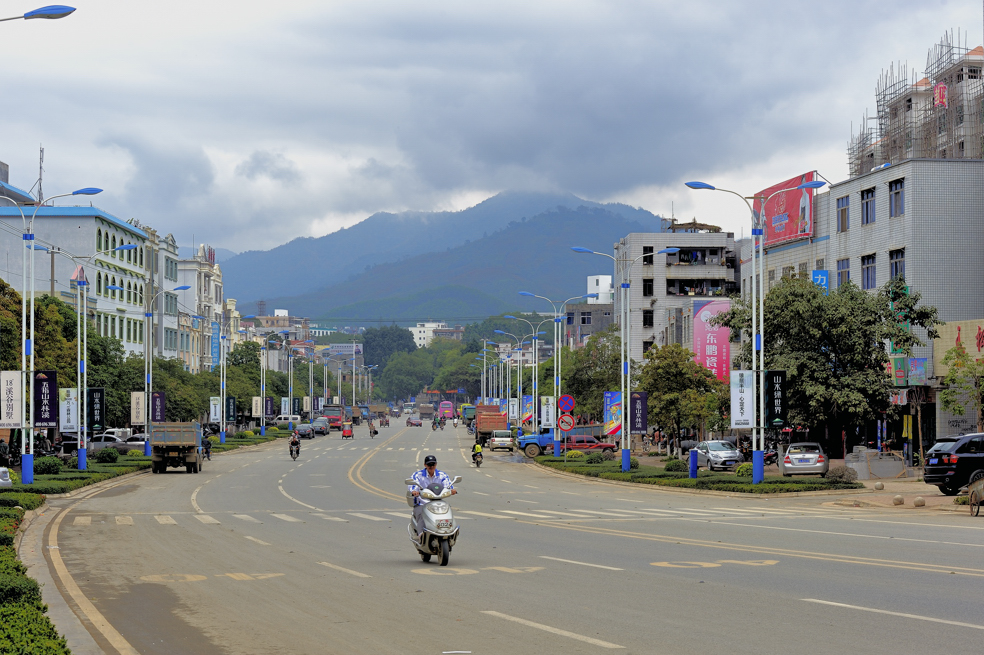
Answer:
(157, 407)
(138, 412)
(215, 409)
(613, 415)
(513, 409)
(95, 407)
(10, 400)
(230, 409)
(742, 403)
(284, 406)
(43, 401)
(68, 409)
(297, 406)
(548, 412)
(775, 398)
(639, 412)
(257, 407)
(268, 407)
(527, 409)
(307, 403)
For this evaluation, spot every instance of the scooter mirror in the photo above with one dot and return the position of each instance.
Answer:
(456, 480)
(410, 481)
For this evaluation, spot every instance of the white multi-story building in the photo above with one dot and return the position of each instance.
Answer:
(204, 301)
(423, 333)
(601, 285)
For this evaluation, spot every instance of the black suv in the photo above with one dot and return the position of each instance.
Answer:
(954, 462)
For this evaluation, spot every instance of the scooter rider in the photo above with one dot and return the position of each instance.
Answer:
(476, 450)
(424, 478)
(455, 421)
(295, 442)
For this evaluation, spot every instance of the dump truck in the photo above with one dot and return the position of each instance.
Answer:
(176, 444)
(426, 412)
(335, 415)
(488, 419)
(379, 411)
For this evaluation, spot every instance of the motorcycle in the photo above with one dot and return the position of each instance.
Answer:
(442, 426)
(770, 456)
(455, 422)
(434, 427)
(439, 531)
(478, 460)
(295, 451)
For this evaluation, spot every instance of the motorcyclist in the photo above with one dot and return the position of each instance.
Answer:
(455, 421)
(424, 478)
(295, 442)
(434, 424)
(207, 447)
(476, 450)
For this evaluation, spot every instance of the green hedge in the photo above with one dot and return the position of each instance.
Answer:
(18, 499)
(47, 466)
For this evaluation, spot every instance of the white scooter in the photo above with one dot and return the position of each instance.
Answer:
(439, 531)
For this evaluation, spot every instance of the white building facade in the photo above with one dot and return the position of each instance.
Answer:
(423, 333)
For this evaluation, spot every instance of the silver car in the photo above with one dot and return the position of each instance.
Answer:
(804, 459)
(718, 454)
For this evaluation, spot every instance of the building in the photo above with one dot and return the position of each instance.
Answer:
(664, 287)
(161, 257)
(118, 279)
(203, 301)
(601, 285)
(586, 319)
(457, 333)
(423, 333)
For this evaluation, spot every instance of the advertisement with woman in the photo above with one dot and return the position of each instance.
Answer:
(613, 415)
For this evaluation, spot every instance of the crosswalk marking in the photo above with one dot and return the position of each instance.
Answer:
(366, 516)
(163, 519)
(596, 512)
(247, 517)
(330, 518)
(254, 539)
(82, 520)
(204, 518)
(287, 517)
(124, 520)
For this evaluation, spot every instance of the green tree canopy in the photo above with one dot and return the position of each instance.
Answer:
(383, 342)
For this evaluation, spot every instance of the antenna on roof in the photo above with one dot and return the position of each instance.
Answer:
(41, 176)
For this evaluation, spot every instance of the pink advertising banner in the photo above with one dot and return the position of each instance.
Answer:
(712, 344)
(788, 215)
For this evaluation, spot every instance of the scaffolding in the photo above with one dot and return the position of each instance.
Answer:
(940, 116)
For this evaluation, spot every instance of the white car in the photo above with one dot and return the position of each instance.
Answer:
(717, 454)
(502, 439)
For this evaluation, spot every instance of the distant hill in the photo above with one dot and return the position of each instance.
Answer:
(478, 279)
(307, 264)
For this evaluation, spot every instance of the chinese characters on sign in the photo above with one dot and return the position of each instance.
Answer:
(95, 405)
(613, 414)
(639, 412)
(68, 404)
(43, 401)
(157, 407)
(215, 409)
(257, 406)
(712, 343)
(548, 417)
(742, 405)
(940, 96)
(775, 398)
(268, 407)
(787, 215)
(10, 387)
(138, 413)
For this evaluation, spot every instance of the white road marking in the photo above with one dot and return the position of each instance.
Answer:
(600, 512)
(247, 517)
(204, 518)
(536, 516)
(479, 493)
(485, 514)
(399, 515)
(529, 486)
(548, 511)
(556, 631)
(194, 499)
(163, 519)
(124, 520)
(899, 614)
(82, 520)
(343, 570)
(570, 561)
(366, 516)
(331, 518)
(287, 517)
(262, 543)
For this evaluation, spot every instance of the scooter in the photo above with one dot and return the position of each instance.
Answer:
(439, 531)
(434, 427)
(770, 456)
(295, 451)
(478, 460)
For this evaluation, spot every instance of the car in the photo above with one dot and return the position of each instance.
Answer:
(320, 425)
(304, 431)
(716, 454)
(136, 442)
(954, 462)
(502, 439)
(101, 441)
(414, 422)
(588, 444)
(804, 458)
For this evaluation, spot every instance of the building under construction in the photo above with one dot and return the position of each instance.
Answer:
(938, 116)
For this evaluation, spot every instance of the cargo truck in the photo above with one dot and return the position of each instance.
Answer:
(426, 411)
(535, 445)
(176, 444)
(488, 419)
(335, 415)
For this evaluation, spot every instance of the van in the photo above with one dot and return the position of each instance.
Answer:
(288, 418)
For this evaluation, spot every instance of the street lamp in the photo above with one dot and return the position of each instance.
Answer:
(536, 371)
(149, 363)
(223, 419)
(27, 422)
(758, 313)
(50, 12)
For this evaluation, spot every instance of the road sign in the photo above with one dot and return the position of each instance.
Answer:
(566, 403)
(565, 422)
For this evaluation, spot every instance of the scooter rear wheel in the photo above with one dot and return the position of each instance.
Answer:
(445, 552)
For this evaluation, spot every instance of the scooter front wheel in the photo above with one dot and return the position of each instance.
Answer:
(425, 557)
(445, 552)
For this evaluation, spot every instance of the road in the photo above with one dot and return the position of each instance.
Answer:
(260, 554)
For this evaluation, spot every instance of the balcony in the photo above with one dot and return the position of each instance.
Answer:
(700, 272)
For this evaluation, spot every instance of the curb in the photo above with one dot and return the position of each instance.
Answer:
(706, 492)
(25, 523)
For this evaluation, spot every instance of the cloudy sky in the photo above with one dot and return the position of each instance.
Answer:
(246, 124)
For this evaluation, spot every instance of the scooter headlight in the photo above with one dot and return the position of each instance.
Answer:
(437, 507)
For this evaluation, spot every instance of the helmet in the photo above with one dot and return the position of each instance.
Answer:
(430, 459)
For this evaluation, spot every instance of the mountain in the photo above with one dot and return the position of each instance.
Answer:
(307, 264)
(221, 254)
(478, 279)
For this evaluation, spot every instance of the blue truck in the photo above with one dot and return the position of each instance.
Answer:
(534, 445)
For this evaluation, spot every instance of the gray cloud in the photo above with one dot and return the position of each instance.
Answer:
(272, 165)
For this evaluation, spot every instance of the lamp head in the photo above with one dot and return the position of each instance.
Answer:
(668, 251)
(250, 316)
(581, 250)
(526, 293)
(36, 247)
(816, 184)
(91, 190)
(512, 317)
(50, 12)
(128, 246)
(183, 287)
(498, 331)
(699, 185)
(590, 295)
(114, 287)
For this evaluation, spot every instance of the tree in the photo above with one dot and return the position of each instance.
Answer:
(382, 343)
(245, 354)
(682, 393)
(964, 382)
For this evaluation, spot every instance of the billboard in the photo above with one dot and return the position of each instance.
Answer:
(95, 407)
(527, 409)
(788, 215)
(613, 415)
(348, 349)
(157, 406)
(68, 405)
(215, 345)
(45, 399)
(917, 371)
(712, 343)
(548, 414)
(10, 409)
(639, 412)
(138, 413)
(742, 399)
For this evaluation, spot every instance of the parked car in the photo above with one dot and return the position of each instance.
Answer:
(287, 418)
(954, 462)
(804, 459)
(716, 454)
(502, 439)
(136, 442)
(414, 421)
(320, 425)
(101, 441)
(588, 444)
(304, 431)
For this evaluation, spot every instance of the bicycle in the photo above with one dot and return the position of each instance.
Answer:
(647, 443)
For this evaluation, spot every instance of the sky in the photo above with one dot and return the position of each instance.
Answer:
(246, 124)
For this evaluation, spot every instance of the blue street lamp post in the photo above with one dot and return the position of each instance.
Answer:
(149, 363)
(758, 315)
(535, 420)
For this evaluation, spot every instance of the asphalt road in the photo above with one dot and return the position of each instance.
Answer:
(261, 554)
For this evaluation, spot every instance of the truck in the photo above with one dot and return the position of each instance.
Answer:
(335, 415)
(364, 414)
(467, 413)
(488, 419)
(379, 411)
(426, 411)
(535, 445)
(176, 444)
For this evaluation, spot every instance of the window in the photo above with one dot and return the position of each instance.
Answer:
(129, 329)
(129, 254)
(802, 270)
(868, 272)
(772, 275)
(896, 263)
(646, 346)
(821, 264)
(896, 198)
(647, 318)
(141, 258)
(843, 272)
(99, 240)
(114, 246)
(788, 271)
(585, 318)
(647, 256)
(867, 206)
(99, 284)
(129, 295)
(843, 214)
(141, 295)
(112, 292)
(570, 318)
(170, 269)
(647, 287)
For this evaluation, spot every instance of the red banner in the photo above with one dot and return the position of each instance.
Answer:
(712, 343)
(788, 215)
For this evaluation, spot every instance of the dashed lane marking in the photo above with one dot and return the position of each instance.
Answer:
(570, 561)
(247, 517)
(553, 630)
(330, 518)
(367, 516)
(205, 518)
(82, 520)
(255, 540)
(163, 519)
(344, 570)
(287, 517)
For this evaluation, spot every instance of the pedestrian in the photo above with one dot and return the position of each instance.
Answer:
(4, 453)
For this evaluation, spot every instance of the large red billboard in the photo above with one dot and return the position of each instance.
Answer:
(712, 343)
(788, 215)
